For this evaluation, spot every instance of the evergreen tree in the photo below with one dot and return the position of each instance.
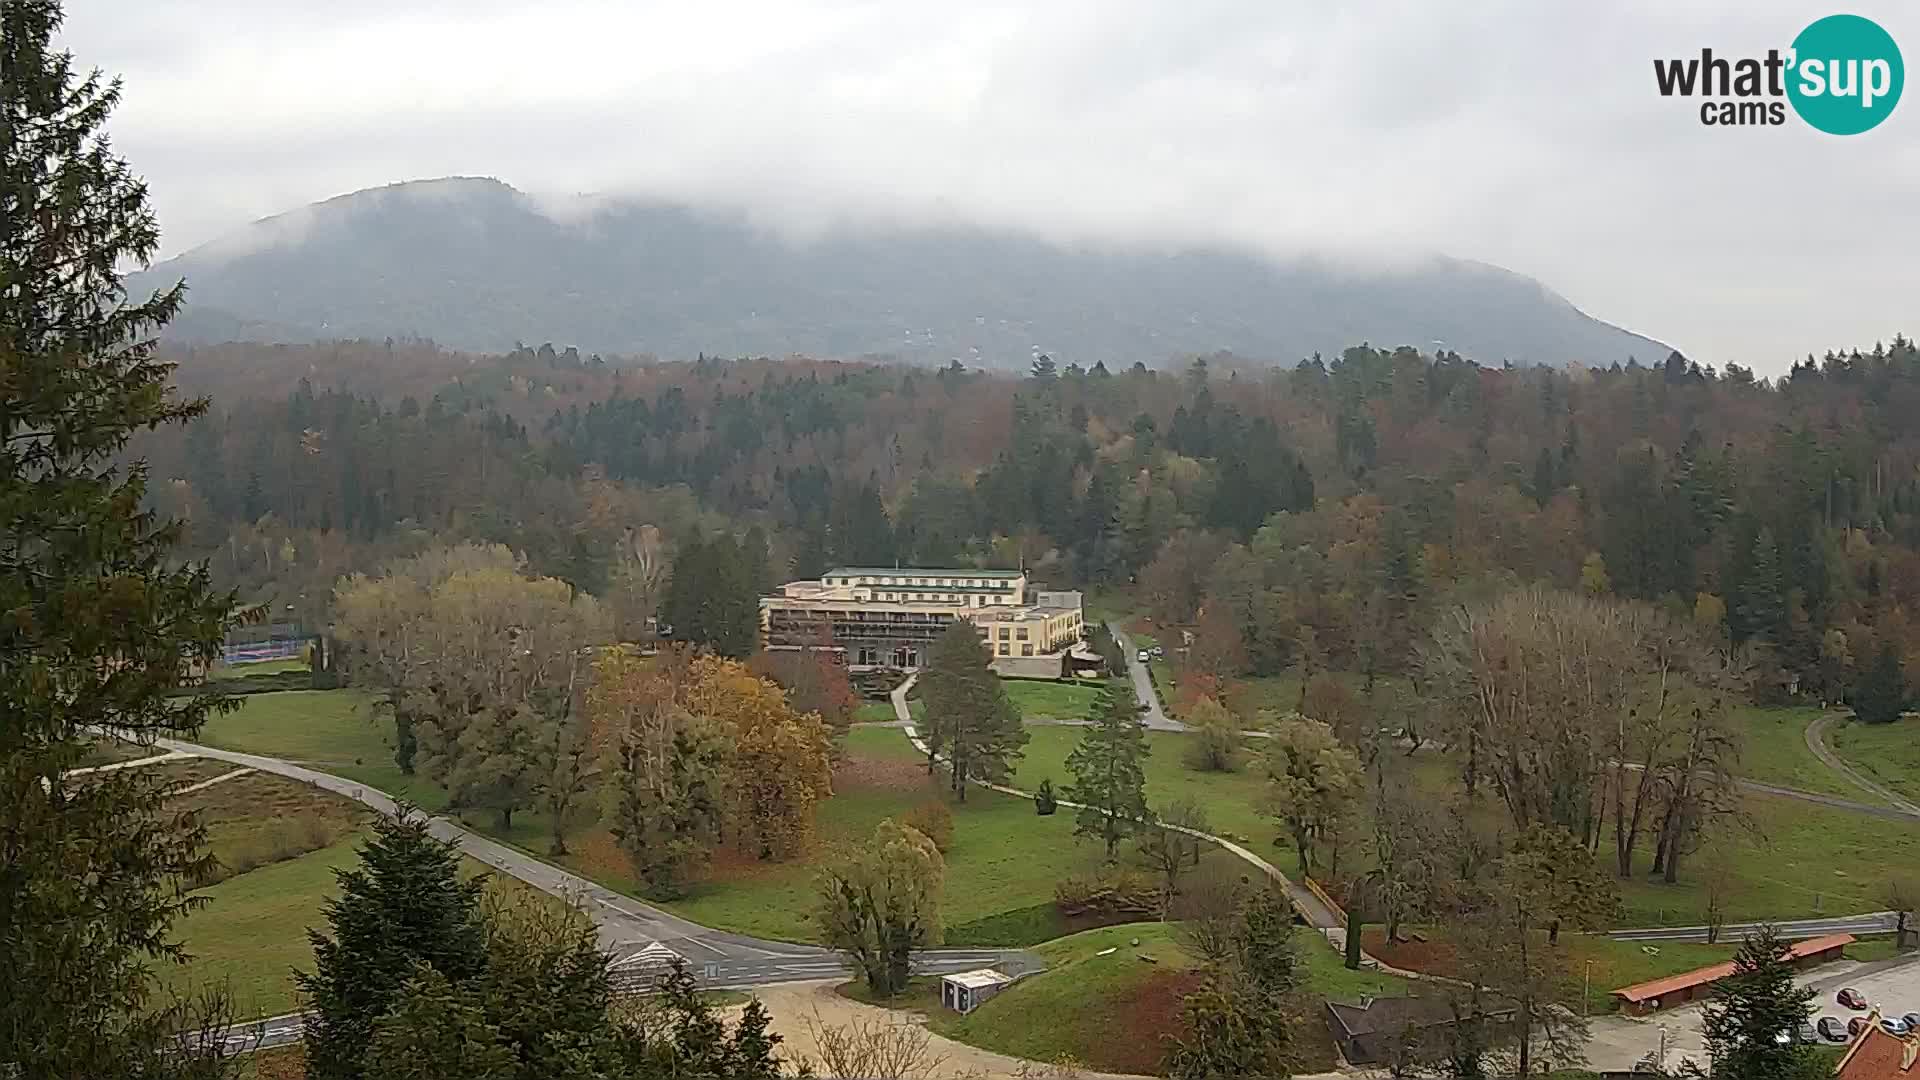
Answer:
(1760, 607)
(1108, 780)
(1879, 695)
(100, 623)
(970, 721)
(406, 905)
(710, 601)
(1752, 1007)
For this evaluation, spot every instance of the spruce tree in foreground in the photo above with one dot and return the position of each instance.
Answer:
(403, 909)
(1108, 781)
(97, 625)
(1754, 1005)
(970, 722)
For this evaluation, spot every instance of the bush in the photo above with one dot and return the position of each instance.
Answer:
(1114, 890)
(934, 821)
(1044, 800)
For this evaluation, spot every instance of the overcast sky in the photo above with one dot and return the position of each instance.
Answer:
(1521, 133)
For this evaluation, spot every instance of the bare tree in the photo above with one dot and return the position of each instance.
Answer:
(1169, 849)
(1532, 679)
(1903, 895)
(878, 1048)
(1206, 914)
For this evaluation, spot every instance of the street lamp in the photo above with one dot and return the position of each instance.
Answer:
(1586, 996)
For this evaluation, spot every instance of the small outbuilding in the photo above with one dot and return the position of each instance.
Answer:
(1390, 1031)
(963, 992)
(1641, 999)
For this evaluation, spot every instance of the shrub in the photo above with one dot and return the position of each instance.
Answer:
(1216, 745)
(934, 821)
(1044, 800)
(1113, 890)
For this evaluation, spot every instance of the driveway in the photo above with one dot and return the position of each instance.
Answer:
(1152, 716)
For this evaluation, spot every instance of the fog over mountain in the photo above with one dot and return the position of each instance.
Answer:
(475, 264)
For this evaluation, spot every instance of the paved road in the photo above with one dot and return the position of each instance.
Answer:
(718, 959)
(1876, 922)
(1817, 742)
(1152, 716)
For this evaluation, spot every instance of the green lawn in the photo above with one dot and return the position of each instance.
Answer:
(879, 712)
(258, 667)
(1112, 1012)
(1044, 700)
(1230, 799)
(1776, 753)
(1004, 859)
(1085, 1005)
(336, 730)
(1800, 860)
(252, 932)
(1886, 753)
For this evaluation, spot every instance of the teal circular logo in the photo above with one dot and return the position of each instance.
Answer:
(1846, 74)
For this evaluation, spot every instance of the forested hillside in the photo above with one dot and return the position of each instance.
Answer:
(1324, 510)
(478, 265)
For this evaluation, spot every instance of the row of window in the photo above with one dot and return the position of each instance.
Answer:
(1003, 648)
(971, 583)
(942, 598)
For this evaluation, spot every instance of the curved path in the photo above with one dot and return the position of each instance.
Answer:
(1316, 913)
(718, 959)
(1817, 742)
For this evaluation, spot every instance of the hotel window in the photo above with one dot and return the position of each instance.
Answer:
(1022, 634)
(1026, 650)
(1003, 632)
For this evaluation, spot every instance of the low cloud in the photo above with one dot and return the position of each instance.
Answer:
(1516, 133)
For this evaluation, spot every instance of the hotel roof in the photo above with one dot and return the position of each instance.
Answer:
(919, 571)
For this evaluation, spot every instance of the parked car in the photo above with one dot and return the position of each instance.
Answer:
(1913, 1021)
(1832, 1029)
(1144, 656)
(1159, 650)
(1851, 998)
(1856, 1025)
(1894, 1025)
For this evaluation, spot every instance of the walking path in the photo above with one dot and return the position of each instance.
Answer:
(205, 784)
(1317, 914)
(132, 763)
(1817, 742)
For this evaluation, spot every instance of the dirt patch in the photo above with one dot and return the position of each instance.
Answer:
(877, 774)
(1430, 957)
(792, 1006)
(1151, 1016)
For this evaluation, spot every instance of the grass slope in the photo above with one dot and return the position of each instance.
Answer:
(251, 933)
(1776, 753)
(1115, 1012)
(340, 731)
(1886, 753)
(1043, 700)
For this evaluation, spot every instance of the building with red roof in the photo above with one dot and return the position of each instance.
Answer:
(1643, 998)
(1877, 1054)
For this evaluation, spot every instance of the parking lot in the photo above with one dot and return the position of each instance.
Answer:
(1619, 1043)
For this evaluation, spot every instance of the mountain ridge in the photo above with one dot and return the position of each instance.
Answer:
(473, 263)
